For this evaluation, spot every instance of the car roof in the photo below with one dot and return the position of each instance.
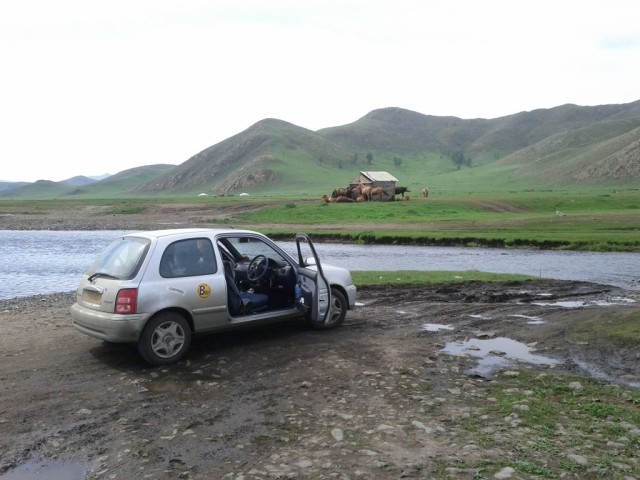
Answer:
(177, 232)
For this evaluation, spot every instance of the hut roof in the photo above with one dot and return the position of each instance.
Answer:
(379, 176)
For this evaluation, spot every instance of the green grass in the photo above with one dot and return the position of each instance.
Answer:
(596, 219)
(620, 327)
(625, 328)
(415, 277)
(558, 419)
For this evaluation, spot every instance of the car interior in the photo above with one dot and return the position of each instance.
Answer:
(258, 278)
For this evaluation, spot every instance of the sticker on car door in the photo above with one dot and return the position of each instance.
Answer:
(204, 290)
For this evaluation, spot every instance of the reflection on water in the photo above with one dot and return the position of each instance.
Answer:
(46, 469)
(42, 262)
(618, 269)
(496, 353)
(435, 327)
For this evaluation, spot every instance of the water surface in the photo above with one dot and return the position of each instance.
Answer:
(43, 262)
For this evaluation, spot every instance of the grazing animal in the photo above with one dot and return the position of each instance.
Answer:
(354, 192)
(376, 191)
(339, 192)
(403, 199)
(366, 193)
(342, 199)
(425, 192)
(402, 190)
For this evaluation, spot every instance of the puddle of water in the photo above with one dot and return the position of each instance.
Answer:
(496, 353)
(435, 327)
(613, 301)
(532, 320)
(596, 372)
(46, 469)
(567, 304)
(480, 317)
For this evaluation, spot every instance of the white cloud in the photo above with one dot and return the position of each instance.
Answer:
(91, 87)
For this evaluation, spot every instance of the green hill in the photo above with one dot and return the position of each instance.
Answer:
(565, 146)
(120, 184)
(270, 155)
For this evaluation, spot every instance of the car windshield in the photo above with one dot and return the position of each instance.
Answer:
(121, 259)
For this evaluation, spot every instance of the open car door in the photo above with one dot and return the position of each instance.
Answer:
(315, 297)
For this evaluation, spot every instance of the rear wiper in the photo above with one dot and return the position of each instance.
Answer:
(101, 274)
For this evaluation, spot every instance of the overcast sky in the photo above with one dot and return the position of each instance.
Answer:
(92, 87)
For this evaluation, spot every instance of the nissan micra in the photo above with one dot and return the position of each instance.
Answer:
(156, 289)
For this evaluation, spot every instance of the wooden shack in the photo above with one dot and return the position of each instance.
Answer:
(377, 179)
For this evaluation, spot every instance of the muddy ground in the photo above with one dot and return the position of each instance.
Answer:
(376, 398)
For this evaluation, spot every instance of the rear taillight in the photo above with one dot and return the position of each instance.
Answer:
(127, 301)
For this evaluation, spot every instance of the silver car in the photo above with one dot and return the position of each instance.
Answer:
(159, 288)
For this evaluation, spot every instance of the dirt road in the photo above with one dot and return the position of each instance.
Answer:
(377, 398)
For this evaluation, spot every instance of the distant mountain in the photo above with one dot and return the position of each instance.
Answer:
(561, 146)
(113, 185)
(100, 177)
(79, 180)
(11, 185)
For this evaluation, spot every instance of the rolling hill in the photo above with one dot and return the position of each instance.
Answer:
(564, 146)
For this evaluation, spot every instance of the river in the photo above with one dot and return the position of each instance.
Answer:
(42, 262)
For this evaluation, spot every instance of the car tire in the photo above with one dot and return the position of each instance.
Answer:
(165, 339)
(337, 314)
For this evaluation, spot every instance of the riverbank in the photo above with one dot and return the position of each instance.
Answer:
(378, 398)
(460, 222)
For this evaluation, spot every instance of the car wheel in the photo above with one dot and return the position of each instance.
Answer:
(337, 312)
(165, 339)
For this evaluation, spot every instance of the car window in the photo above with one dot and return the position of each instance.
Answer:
(186, 258)
(121, 259)
(248, 248)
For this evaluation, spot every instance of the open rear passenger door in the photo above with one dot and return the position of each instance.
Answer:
(316, 293)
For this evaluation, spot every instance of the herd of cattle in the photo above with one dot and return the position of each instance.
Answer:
(362, 193)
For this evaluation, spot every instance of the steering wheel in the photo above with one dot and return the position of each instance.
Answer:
(258, 268)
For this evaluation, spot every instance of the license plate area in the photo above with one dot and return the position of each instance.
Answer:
(91, 296)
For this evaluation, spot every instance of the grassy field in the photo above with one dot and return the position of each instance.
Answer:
(602, 219)
(420, 277)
